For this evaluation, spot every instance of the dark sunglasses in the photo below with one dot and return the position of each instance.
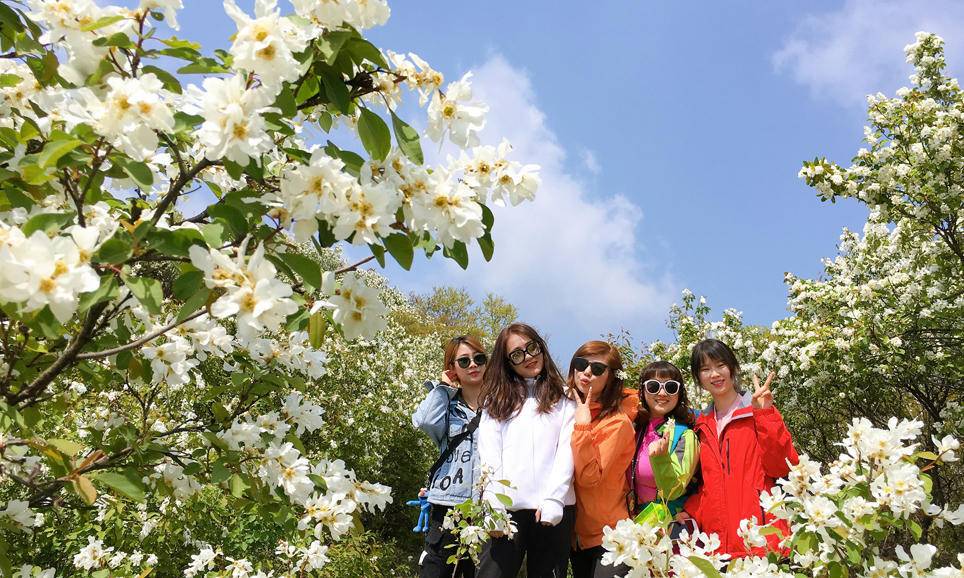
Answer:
(671, 387)
(465, 361)
(581, 363)
(517, 356)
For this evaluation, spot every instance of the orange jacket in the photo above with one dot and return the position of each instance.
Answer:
(602, 451)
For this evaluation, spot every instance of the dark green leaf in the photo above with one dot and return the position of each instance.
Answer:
(308, 89)
(488, 219)
(193, 303)
(188, 284)
(459, 253)
(138, 171)
(379, 252)
(374, 134)
(362, 50)
(336, 90)
(332, 42)
(308, 270)
(169, 80)
(487, 245)
(219, 473)
(230, 215)
(400, 247)
(407, 139)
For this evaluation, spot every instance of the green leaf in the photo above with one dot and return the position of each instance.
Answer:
(215, 234)
(101, 22)
(487, 245)
(46, 222)
(109, 289)
(127, 482)
(238, 486)
(203, 66)
(362, 50)
(705, 566)
(317, 324)
(219, 473)
(230, 215)
(336, 90)
(193, 303)
(148, 291)
(49, 325)
(407, 139)
(308, 89)
(400, 247)
(118, 39)
(8, 80)
(379, 252)
(929, 456)
(915, 529)
(115, 250)
(138, 171)
(837, 570)
(332, 42)
(374, 134)
(188, 284)
(169, 80)
(308, 270)
(459, 253)
(85, 489)
(488, 219)
(506, 500)
(68, 447)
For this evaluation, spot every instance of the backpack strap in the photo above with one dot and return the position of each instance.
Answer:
(452, 444)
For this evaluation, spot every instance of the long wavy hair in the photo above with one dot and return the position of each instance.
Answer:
(612, 397)
(504, 390)
(664, 370)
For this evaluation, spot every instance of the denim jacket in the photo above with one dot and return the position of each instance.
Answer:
(443, 414)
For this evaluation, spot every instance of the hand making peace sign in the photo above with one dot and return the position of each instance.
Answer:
(583, 415)
(661, 445)
(762, 396)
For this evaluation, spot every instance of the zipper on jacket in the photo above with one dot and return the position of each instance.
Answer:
(729, 466)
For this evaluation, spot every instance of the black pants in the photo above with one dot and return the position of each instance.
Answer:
(588, 564)
(545, 548)
(433, 563)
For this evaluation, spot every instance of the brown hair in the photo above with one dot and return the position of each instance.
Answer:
(453, 345)
(715, 350)
(613, 396)
(504, 390)
(664, 370)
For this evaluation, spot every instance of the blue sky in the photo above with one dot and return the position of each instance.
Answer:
(670, 135)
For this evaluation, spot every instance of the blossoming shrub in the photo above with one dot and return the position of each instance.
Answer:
(170, 314)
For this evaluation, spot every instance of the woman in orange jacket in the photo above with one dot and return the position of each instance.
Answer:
(602, 447)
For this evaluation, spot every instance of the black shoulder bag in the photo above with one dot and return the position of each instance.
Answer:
(453, 443)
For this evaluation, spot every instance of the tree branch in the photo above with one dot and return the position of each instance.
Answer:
(355, 266)
(142, 340)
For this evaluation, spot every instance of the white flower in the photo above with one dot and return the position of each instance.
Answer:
(919, 560)
(317, 190)
(451, 209)
(133, 109)
(19, 511)
(455, 115)
(331, 14)
(367, 213)
(168, 7)
(307, 415)
(233, 126)
(946, 448)
(358, 309)
(200, 561)
(267, 44)
(92, 556)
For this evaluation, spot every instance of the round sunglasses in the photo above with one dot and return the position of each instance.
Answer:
(671, 387)
(517, 356)
(581, 363)
(465, 361)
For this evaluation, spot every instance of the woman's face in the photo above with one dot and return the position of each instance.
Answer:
(585, 380)
(660, 404)
(471, 375)
(531, 365)
(715, 377)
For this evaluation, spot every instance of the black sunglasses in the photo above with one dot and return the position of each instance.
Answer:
(671, 387)
(479, 358)
(581, 363)
(532, 349)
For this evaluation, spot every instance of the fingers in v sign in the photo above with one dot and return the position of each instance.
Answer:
(661, 445)
(762, 396)
(583, 415)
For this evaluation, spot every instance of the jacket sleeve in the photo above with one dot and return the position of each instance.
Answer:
(490, 456)
(776, 445)
(672, 474)
(559, 481)
(595, 453)
(430, 414)
(694, 504)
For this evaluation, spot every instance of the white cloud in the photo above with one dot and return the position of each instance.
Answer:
(571, 260)
(590, 162)
(857, 50)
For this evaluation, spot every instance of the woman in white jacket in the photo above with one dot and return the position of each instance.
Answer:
(524, 437)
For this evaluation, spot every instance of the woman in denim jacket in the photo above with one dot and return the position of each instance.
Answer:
(447, 411)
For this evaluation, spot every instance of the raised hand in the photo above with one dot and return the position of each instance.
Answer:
(661, 446)
(583, 415)
(762, 396)
(449, 378)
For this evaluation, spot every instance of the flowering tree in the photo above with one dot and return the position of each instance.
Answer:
(153, 355)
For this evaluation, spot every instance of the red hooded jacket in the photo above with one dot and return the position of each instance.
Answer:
(736, 467)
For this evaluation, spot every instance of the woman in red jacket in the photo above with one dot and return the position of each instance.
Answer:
(744, 448)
